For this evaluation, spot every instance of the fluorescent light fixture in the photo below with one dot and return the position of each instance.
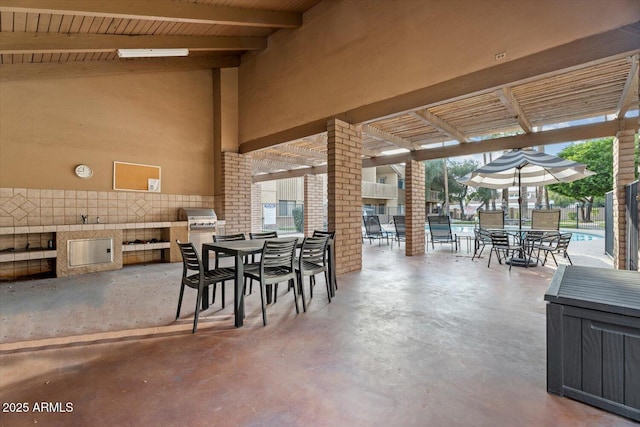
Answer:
(151, 53)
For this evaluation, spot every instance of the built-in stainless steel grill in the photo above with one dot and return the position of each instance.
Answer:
(198, 219)
(202, 224)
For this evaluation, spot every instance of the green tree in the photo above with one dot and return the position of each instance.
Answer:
(597, 154)
(458, 191)
(434, 180)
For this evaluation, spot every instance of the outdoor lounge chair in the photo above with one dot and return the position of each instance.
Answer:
(398, 223)
(373, 229)
(440, 230)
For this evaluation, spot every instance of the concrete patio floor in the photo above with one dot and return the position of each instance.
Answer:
(435, 340)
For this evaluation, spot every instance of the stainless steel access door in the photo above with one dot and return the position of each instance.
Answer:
(90, 251)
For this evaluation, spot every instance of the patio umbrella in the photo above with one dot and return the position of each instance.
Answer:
(525, 168)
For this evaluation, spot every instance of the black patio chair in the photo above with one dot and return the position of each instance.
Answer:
(276, 265)
(312, 260)
(225, 238)
(502, 246)
(482, 238)
(332, 236)
(191, 262)
(254, 259)
(440, 231)
(557, 245)
(373, 229)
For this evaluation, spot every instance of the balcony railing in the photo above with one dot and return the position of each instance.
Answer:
(373, 190)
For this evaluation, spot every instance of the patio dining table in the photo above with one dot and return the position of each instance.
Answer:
(521, 237)
(239, 249)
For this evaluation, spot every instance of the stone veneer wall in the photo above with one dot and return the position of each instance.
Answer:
(344, 175)
(415, 208)
(313, 211)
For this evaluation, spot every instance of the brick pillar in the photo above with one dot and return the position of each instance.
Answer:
(233, 204)
(623, 174)
(256, 208)
(313, 213)
(344, 176)
(415, 207)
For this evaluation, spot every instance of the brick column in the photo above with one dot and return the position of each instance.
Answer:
(313, 213)
(623, 174)
(344, 186)
(415, 215)
(256, 208)
(233, 204)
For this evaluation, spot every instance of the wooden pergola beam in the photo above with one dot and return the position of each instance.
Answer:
(381, 135)
(29, 71)
(556, 136)
(630, 87)
(16, 43)
(511, 103)
(437, 122)
(159, 10)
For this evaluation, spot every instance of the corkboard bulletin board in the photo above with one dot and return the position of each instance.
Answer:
(136, 177)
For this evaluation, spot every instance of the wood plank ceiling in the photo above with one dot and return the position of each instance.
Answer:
(218, 32)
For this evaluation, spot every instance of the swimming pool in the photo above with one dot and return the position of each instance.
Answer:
(576, 236)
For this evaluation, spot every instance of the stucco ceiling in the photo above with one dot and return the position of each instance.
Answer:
(219, 32)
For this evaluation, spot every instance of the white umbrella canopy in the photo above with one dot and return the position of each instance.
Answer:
(524, 168)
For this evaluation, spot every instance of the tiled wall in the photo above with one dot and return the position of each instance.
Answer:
(34, 207)
(22, 206)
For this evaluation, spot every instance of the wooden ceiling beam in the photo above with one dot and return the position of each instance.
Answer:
(159, 10)
(437, 122)
(630, 87)
(16, 43)
(30, 71)
(381, 135)
(511, 103)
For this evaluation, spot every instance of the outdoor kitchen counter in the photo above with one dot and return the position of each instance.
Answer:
(62, 234)
(593, 337)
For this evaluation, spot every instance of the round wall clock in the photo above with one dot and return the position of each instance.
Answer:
(84, 171)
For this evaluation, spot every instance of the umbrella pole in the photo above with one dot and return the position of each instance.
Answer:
(520, 199)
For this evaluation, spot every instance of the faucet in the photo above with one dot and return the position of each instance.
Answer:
(85, 219)
(97, 220)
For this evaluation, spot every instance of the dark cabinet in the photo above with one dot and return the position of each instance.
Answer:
(593, 338)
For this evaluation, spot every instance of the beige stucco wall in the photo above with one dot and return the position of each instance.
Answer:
(352, 53)
(50, 125)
